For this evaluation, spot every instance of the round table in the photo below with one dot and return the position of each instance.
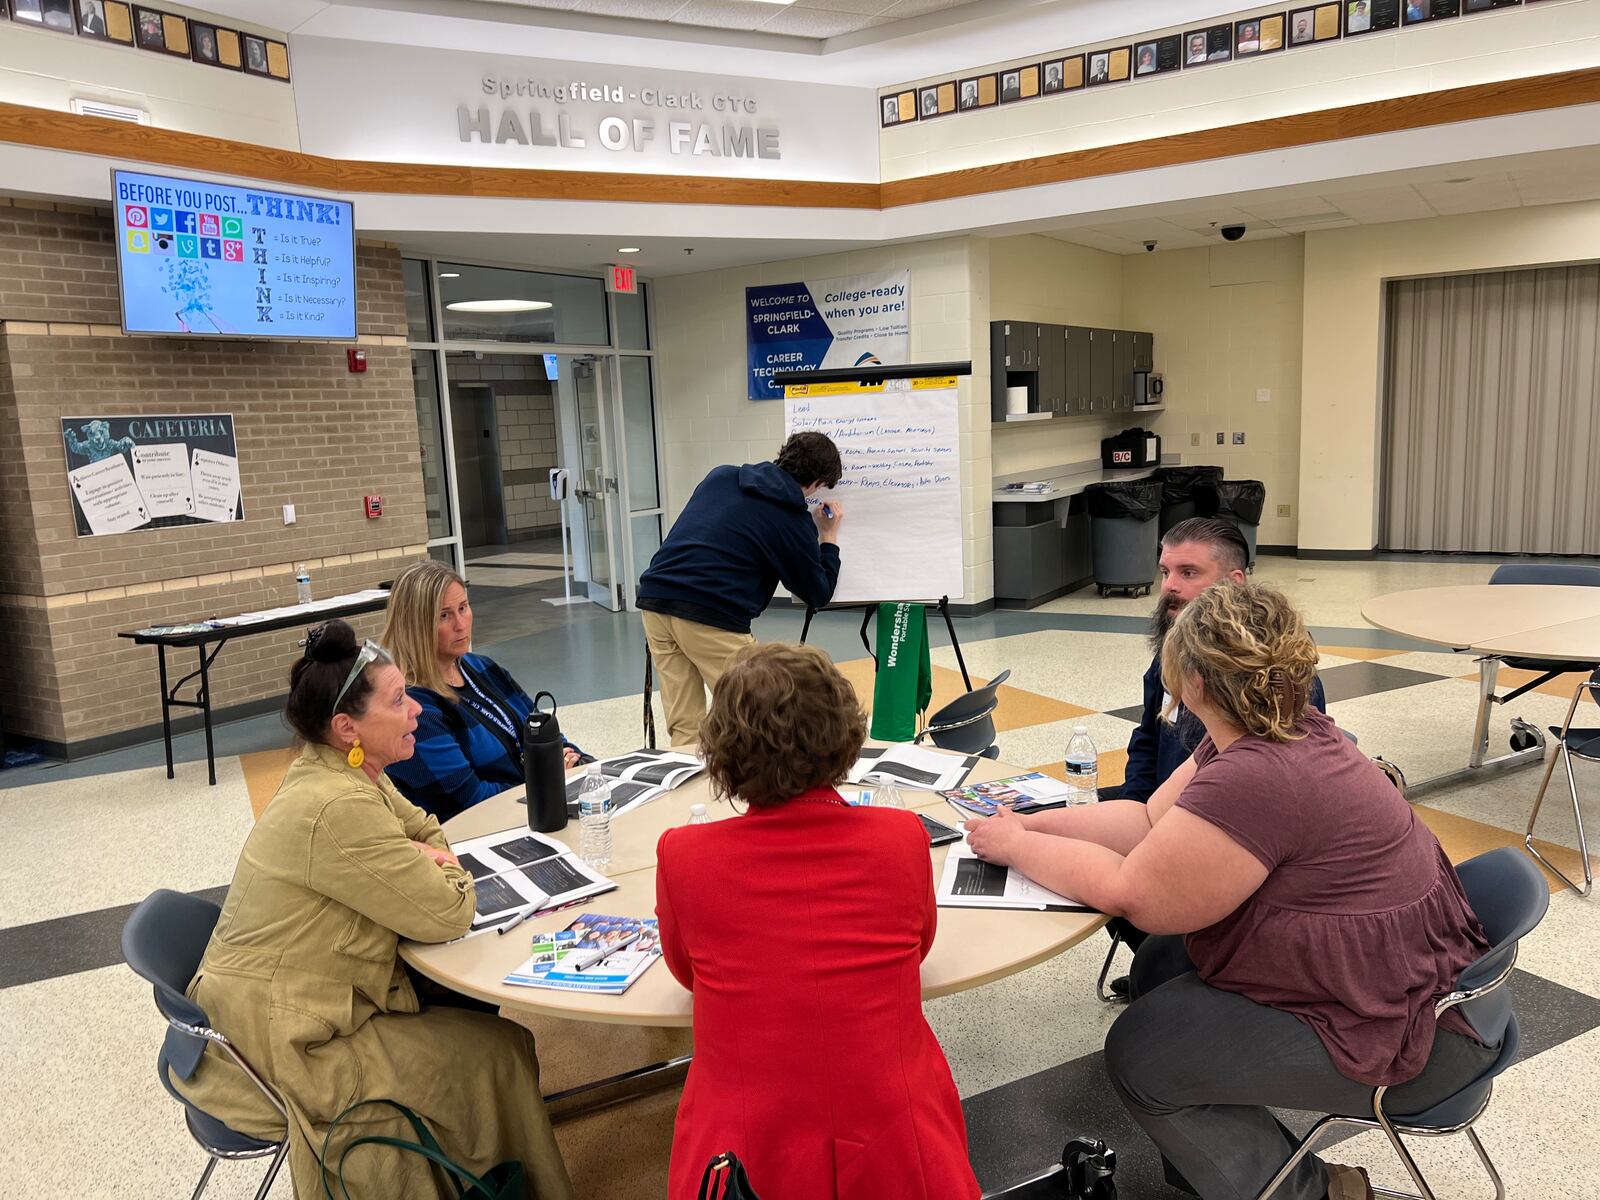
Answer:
(1552, 622)
(972, 947)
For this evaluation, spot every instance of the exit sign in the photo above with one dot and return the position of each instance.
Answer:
(623, 281)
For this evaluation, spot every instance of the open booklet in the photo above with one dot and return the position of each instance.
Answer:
(969, 882)
(914, 766)
(638, 778)
(594, 954)
(1024, 793)
(516, 870)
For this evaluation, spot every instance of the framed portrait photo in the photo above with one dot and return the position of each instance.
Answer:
(1019, 83)
(1477, 6)
(46, 14)
(1062, 74)
(148, 31)
(898, 109)
(981, 91)
(255, 54)
(1316, 23)
(1210, 45)
(932, 100)
(1415, 12)
(1370, 16)
(1258, 35)
(105, 20)
(1158, 56)
(206, 45)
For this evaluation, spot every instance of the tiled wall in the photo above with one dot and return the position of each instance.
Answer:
(1227, 324)
(1513, 43)
(309, 433)
(708, 420)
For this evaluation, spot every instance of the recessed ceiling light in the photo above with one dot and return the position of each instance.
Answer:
(449, 274)
(627, 249)
(498, 306)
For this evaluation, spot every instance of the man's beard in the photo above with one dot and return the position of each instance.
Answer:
(1166, 612)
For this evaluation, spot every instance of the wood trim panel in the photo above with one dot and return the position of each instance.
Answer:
(45, 128)
(21, 125)
(1446, 107)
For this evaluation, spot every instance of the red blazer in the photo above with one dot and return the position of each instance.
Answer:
(801, 931)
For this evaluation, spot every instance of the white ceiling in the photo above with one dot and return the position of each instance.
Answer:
(1556, 177)
(803, 18)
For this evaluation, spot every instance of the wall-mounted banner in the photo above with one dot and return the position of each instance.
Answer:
(128, 473)
(856, 321)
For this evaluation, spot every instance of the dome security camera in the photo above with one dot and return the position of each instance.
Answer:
(1150, 245)
(1232, 233)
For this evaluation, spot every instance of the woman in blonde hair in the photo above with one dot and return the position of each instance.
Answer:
(1319, 918)
(469, 734)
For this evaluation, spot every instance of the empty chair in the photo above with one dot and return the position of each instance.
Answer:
(966, 724)
(163, 941)
(1570, 743)
(1510, 898)
(1559, 574)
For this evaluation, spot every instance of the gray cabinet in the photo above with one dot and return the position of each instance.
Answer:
(1122, 370)
(1144, 352)
(1102, 370)
(1077, 383)
(1053, 369)
(1068, 370)
(1020, 340)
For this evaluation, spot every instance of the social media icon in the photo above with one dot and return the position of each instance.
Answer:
(161, 220)
(136, 215)
(210, 226)
(186, 222)
(162, 243)
(233, 251)
(233, 227)
(188, 246)
(210, 248)
(138, 241)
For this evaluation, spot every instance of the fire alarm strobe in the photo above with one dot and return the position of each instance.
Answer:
(374, 507)
(357, 359)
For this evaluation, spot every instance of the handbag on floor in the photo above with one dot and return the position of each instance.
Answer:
(501, 1182)
(725, 1179)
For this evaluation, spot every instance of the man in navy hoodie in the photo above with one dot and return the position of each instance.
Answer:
(744, 531)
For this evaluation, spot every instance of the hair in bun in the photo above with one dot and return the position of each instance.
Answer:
(317, 676)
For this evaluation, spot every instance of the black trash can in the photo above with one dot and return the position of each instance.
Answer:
(1238, 500)
(1123, 534)
(1177, 491)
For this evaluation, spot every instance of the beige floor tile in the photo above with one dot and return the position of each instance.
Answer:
(1096, 671)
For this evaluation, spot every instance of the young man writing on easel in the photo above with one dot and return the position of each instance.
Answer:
(744, 531)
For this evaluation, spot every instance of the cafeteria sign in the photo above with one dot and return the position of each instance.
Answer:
(129, 473)
(856, 321)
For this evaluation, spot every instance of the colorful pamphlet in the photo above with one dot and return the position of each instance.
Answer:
(1021, 793)
(598, 954)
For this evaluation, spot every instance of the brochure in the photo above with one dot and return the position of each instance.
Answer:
(1023, 793)
(516, 870)
(596, 953)
(638, 778)
(914, 766)
(969, 882)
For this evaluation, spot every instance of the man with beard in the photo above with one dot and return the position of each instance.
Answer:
(1194, 555)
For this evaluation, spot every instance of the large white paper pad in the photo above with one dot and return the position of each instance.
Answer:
(108, 496)
(163, 474)
(216, 485)
(901, 489)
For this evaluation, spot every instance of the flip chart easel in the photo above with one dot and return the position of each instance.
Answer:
(867, 381)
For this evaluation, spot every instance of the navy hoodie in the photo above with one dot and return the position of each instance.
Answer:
(744, 531)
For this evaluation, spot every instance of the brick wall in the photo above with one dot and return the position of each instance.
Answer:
(309, 434)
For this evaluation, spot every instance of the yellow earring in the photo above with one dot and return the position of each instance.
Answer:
(356, 755)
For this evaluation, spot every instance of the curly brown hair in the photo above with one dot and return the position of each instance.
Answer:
(782, 721)
(1250, 648)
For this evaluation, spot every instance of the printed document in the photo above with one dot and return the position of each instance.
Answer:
(517, 869)
(969, 882)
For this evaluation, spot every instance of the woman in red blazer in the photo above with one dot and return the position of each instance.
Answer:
(800, 927)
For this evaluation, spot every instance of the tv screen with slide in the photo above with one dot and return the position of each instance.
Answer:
(213, 260)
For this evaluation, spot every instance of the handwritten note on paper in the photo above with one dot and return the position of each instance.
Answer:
(901, 489)
(163, 475)
(108, 497)
(216, 485)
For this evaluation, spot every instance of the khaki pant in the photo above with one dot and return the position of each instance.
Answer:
(689, 659)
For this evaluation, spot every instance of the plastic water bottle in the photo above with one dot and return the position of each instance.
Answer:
(302, 585)
(886, 793)
(698, 815)
(594, 818)
(1083, 768)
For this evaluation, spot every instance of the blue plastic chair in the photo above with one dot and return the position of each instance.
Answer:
(163, 941)
(1510, 897)
(1570, 744)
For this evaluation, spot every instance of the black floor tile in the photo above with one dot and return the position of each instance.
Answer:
(1134, 713)
(1350, 680)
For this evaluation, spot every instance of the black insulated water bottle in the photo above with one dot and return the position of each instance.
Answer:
(544, 768)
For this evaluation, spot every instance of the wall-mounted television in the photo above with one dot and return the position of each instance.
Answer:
(200, 259)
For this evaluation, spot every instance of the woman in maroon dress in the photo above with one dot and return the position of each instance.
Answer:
(1320, 917)
(800, 927)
